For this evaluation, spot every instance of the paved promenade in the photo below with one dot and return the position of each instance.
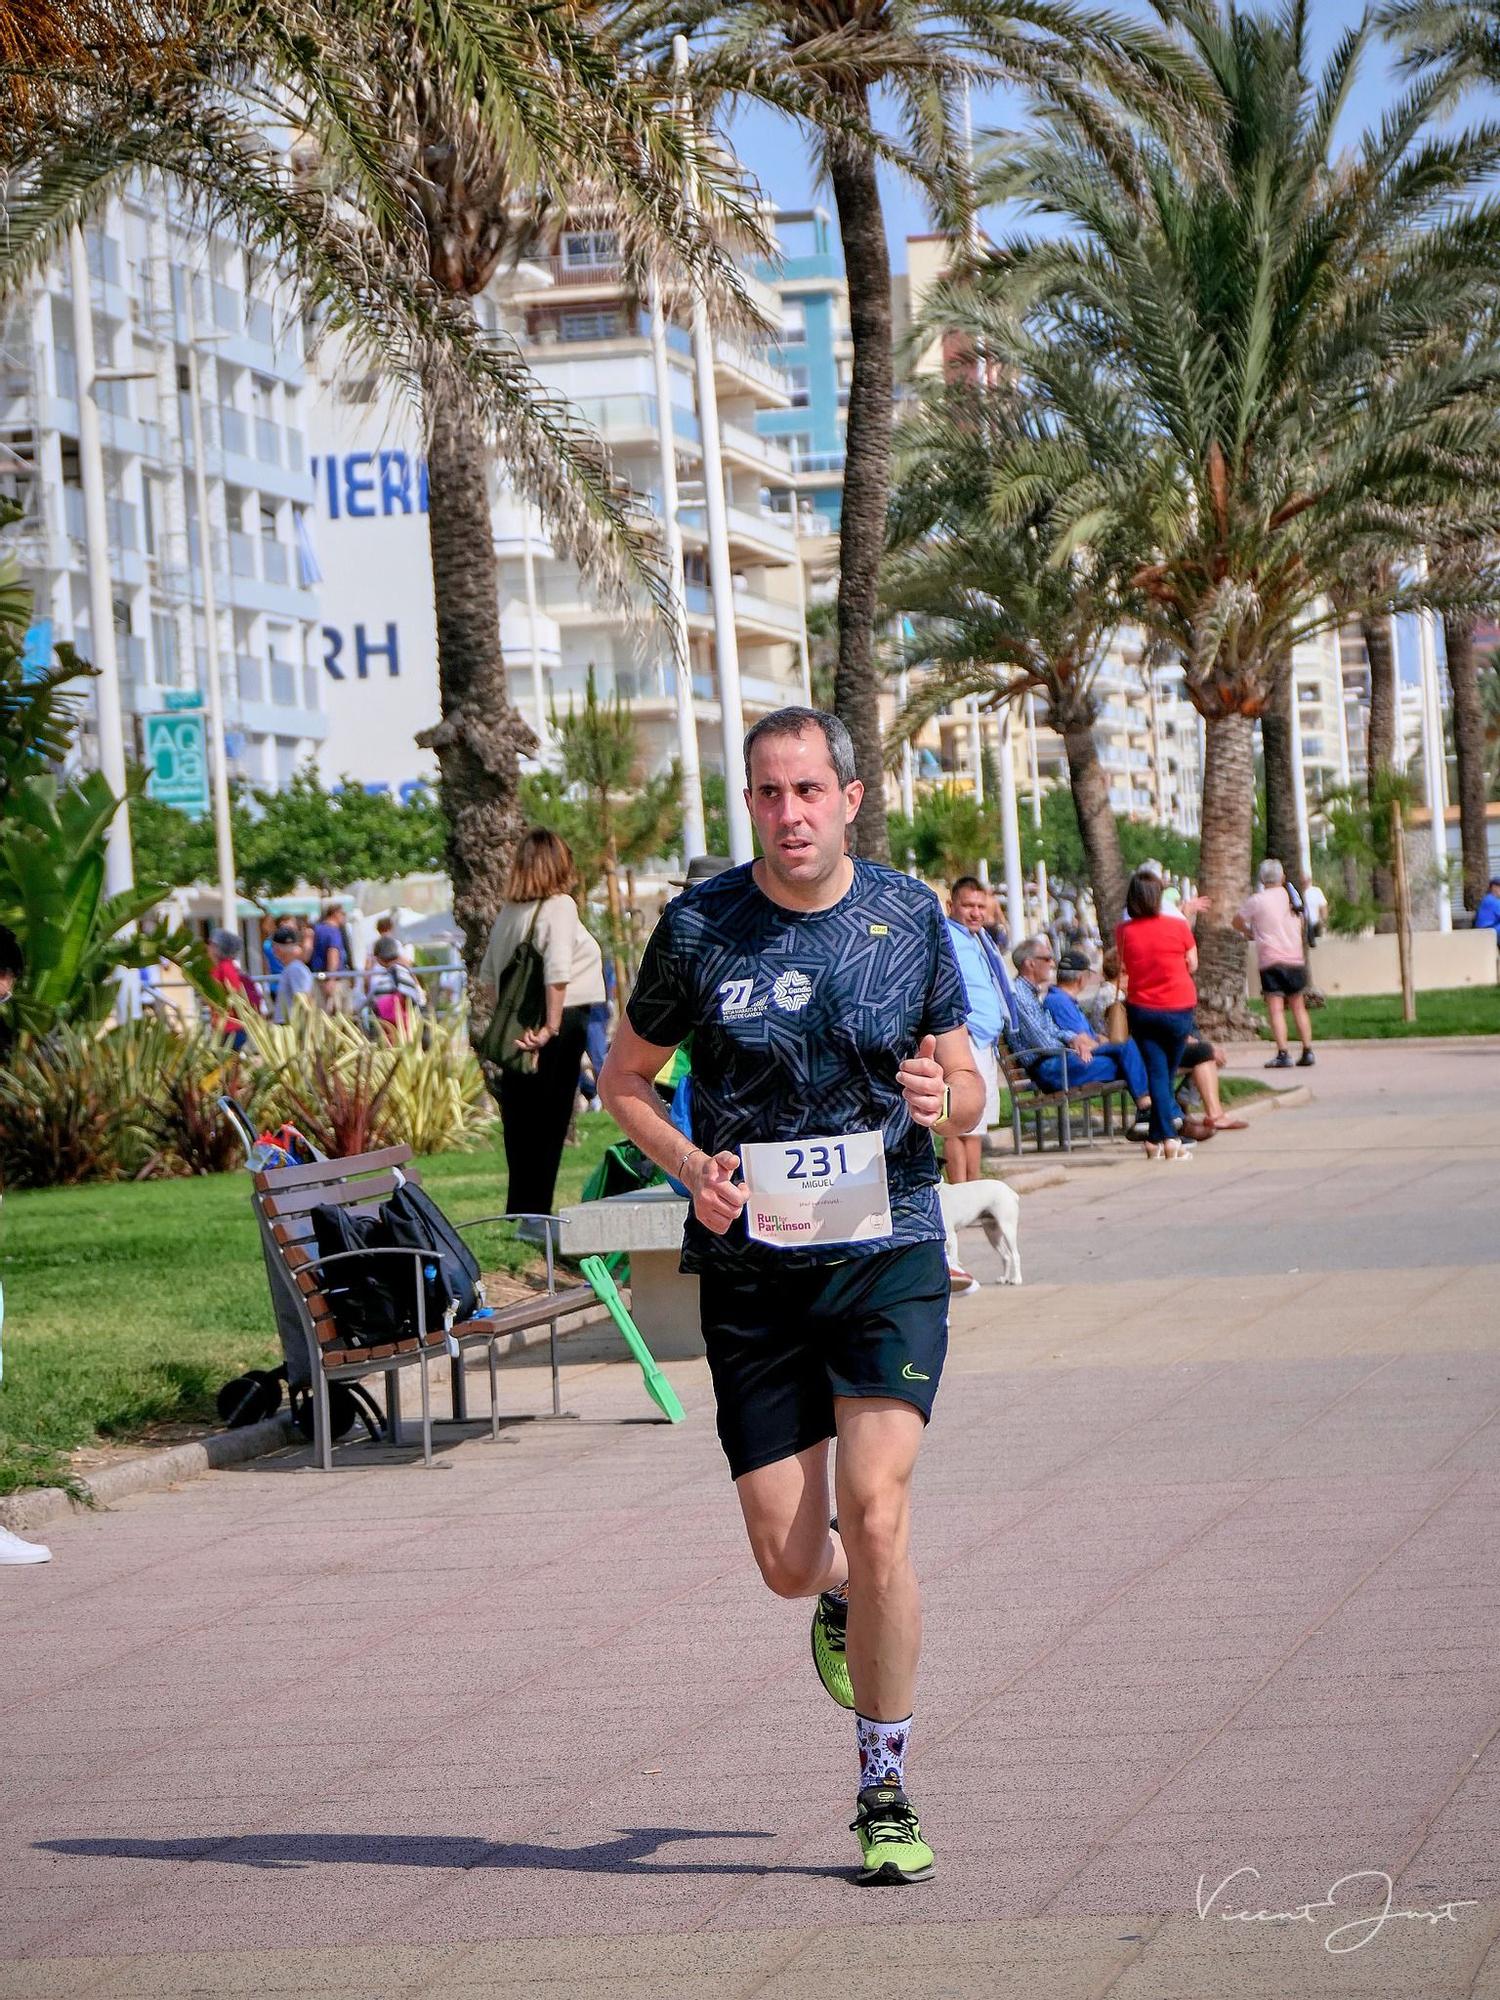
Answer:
(1208, 1523)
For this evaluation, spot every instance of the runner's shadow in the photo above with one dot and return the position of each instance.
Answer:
(631, 1852)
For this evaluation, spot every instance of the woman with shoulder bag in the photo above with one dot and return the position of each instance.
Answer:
(538, 1074)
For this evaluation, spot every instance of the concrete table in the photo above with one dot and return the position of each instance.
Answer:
(648, 1228)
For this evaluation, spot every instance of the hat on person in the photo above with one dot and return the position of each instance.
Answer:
(286, 934)
(226, 943)
(1151, 866)
(386, 949)
(1072, 963)
(702, 868)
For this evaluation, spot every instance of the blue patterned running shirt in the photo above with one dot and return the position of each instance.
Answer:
(799, 1021)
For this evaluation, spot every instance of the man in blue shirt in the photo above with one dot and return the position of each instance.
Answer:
(827, 1015)
(1056, 1056)
(1487, 916)
(987, 989)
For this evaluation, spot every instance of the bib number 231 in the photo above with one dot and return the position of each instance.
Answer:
(815, 1191)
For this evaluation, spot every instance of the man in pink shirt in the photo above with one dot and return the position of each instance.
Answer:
(1275, 929)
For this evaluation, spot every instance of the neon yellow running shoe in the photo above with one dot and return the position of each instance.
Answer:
(829, 1624)
(890, 1839)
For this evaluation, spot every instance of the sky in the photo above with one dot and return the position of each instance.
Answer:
(777, 153)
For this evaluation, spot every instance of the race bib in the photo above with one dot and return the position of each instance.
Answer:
(814, 1191)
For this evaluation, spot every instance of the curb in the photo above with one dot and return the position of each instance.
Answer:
(22, 1512)
(1027, 1180)
(1283, 1100)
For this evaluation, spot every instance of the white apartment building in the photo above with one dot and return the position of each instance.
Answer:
(587, 341)
(142, 256)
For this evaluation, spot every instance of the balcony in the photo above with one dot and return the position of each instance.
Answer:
(259, 322)
(124, 524)
(73, 511)
(312, 689)
(283, 683)
(276, 566)
(267, 441)
(739, 364)
(575, 272)
(242, 554)
(763, 453)
(234, 431)
(294, 457)
(229, 308)
(249, 677)
(623, 419)
(784, 621)
(823, 462)
(753, 533)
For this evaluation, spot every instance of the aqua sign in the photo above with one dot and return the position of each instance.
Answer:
(177, 762)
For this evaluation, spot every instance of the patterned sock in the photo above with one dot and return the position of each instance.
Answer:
(882, 1751)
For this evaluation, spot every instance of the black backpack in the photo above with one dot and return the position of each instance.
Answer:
(374, 1299)
(413, 1221)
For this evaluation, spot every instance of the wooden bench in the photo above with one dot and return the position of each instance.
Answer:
(1028, 1099)
(284, 1200)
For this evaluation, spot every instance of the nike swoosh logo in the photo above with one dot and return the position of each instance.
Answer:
(911, 1375)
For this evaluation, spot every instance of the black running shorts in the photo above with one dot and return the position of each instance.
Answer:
(783, 1344)
(1287, 980)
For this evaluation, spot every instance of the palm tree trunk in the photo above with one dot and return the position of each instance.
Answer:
(1224, 867)
(1096, 823)
(1380, 751)
(1276, 724)
(867, 476)
(480, 737)
(1468, 745)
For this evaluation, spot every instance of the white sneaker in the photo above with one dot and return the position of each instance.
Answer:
(961, 1282)
(14, 1550)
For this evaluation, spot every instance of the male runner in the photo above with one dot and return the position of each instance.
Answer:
(825, 1007)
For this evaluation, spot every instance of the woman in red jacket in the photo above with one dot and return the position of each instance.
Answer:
(1158, 955)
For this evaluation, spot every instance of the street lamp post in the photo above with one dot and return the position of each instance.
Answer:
(976, 758)
(119, 871)
(218, 755)
(1432, 754)
(726, 644)
(694, 835)
(1010, 833)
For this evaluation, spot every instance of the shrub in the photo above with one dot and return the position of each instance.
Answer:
(63, 1115)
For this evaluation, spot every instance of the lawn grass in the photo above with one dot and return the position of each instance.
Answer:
(128, 1304)
(1240, 1089)
(1451, 1010)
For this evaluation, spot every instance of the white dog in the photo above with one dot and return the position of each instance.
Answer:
(998, 1208)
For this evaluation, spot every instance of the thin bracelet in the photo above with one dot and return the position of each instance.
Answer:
(683, 1162)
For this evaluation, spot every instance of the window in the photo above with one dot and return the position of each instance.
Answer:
(584, 249)
(589, 326)
(800, 380)
(793, 321)
(799, 444)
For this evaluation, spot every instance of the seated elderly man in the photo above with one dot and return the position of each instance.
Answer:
(1056, 1055)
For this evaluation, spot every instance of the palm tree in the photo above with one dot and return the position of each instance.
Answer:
(994, 613)
(431, 148)
(824, 63)
(1267, 327)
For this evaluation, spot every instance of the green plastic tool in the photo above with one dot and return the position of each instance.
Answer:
(658, 1388)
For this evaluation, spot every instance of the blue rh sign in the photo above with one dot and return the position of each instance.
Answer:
(177, 759)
